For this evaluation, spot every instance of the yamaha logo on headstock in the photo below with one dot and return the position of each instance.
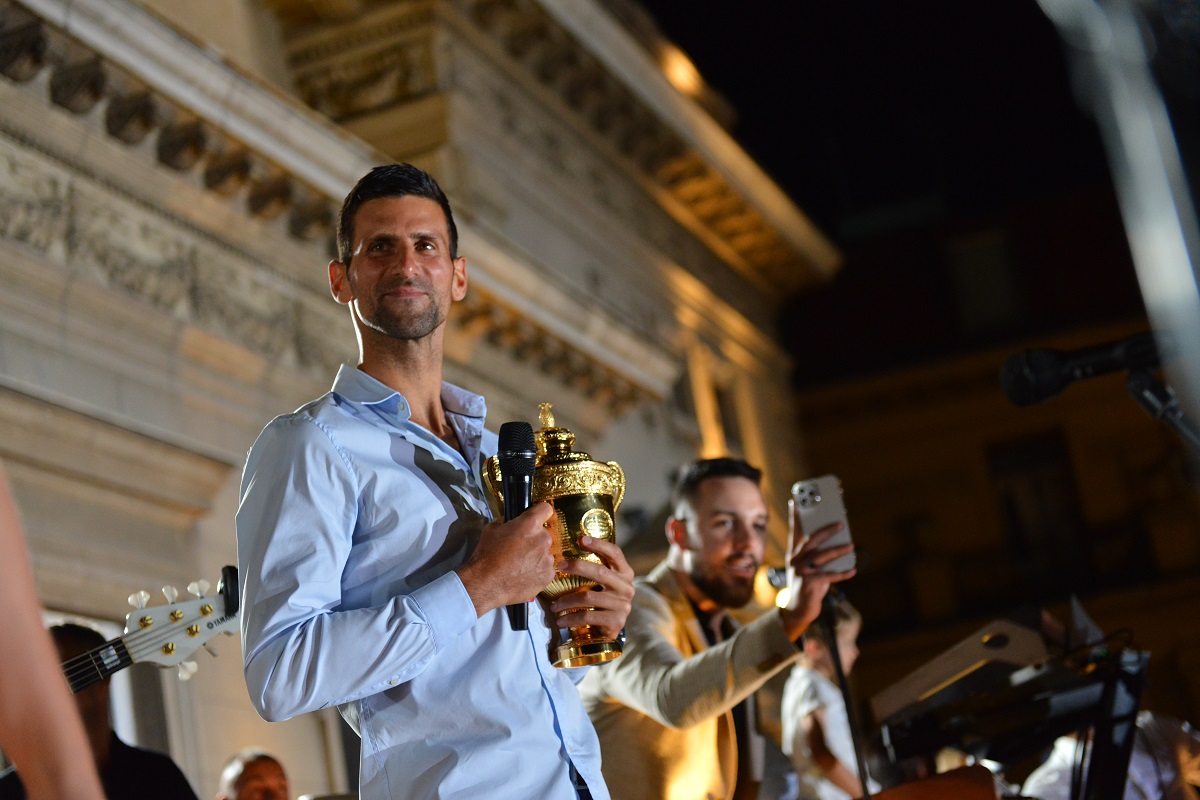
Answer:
(216, 623)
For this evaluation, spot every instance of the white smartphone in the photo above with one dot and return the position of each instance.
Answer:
(817, 503)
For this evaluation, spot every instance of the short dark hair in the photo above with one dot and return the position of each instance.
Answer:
(390, 180)
(689, 477)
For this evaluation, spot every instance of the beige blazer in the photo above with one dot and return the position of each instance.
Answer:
(663, 709)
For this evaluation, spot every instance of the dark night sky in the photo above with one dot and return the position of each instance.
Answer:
(900, 128)
(863, 107)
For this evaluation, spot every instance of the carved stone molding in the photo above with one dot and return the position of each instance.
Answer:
(484, 315)
(346, 67)
(383, 62)
(547, 147)
(101, 80)
(82, 229)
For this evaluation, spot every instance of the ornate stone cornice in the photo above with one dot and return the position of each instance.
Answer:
(249, 144)
(119, 74)
(490, 317)
(598, 75)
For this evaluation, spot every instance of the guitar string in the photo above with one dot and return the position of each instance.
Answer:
(85, 666)
(148, 641)
(87, 663)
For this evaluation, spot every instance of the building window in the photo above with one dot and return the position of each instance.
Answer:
(1039, 505)
(985, 286)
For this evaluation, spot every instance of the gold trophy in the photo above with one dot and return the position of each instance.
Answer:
(585, 495)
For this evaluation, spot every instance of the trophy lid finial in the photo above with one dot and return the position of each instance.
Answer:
(553, 442)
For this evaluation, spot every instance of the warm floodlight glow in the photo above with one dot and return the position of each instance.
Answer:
(680, 71)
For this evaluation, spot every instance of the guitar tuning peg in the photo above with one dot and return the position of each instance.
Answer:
(171, 593)
(139, 598)
(199, 588)
(187, 669)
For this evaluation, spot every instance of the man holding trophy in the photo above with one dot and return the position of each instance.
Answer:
(372, 577)
(676, 714)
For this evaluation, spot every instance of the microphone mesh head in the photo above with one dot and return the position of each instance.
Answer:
(516, 451)
(1033, 376)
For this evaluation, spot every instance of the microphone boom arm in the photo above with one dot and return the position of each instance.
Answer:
(1160, 402)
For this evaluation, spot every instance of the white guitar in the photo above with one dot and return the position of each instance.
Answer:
(162, 635)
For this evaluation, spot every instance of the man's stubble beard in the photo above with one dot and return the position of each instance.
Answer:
(408, 328)
(726, 593)
(385, 321)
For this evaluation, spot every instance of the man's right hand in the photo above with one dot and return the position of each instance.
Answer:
(808, 561)
(512, 561)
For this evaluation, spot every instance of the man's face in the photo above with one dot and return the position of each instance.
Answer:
(726, 535)
(261, 780)
(401, 279)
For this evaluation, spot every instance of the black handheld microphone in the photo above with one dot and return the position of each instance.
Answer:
(516, 455)
(1032, 376)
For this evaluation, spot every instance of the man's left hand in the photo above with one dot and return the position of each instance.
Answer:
(606, 605)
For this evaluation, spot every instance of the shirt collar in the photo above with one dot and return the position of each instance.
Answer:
(359, 387)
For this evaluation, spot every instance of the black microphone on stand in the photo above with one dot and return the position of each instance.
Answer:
(516, 455)
(1032, 376)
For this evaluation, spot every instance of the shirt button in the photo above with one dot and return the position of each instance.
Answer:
(394, 681)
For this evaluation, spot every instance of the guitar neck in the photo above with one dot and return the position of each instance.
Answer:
(88, 669)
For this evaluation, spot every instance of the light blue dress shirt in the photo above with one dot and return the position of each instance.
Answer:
(352, 521)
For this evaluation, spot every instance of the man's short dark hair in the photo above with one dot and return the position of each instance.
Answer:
(390, 180)
(690, 476)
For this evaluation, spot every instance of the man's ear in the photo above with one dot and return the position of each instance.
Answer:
(339, 282)
(458, 289)
(677, 533)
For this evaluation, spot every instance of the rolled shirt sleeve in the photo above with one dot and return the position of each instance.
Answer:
(295, 523)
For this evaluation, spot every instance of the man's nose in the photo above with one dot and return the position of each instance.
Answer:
(406, 263)
(743, 535)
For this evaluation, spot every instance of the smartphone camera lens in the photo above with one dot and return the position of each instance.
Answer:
(806, 494)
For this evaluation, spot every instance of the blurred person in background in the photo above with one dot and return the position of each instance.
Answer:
(816, 726)
(253, 775)
(125, 771)
(1163, 765)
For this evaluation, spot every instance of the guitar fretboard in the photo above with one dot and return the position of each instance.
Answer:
(95, 665)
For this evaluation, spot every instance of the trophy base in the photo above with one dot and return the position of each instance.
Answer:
(572, 654)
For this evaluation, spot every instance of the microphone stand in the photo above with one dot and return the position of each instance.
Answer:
(1160, 402)
(829, 624)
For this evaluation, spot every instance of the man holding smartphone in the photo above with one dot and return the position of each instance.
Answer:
(675, 714)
